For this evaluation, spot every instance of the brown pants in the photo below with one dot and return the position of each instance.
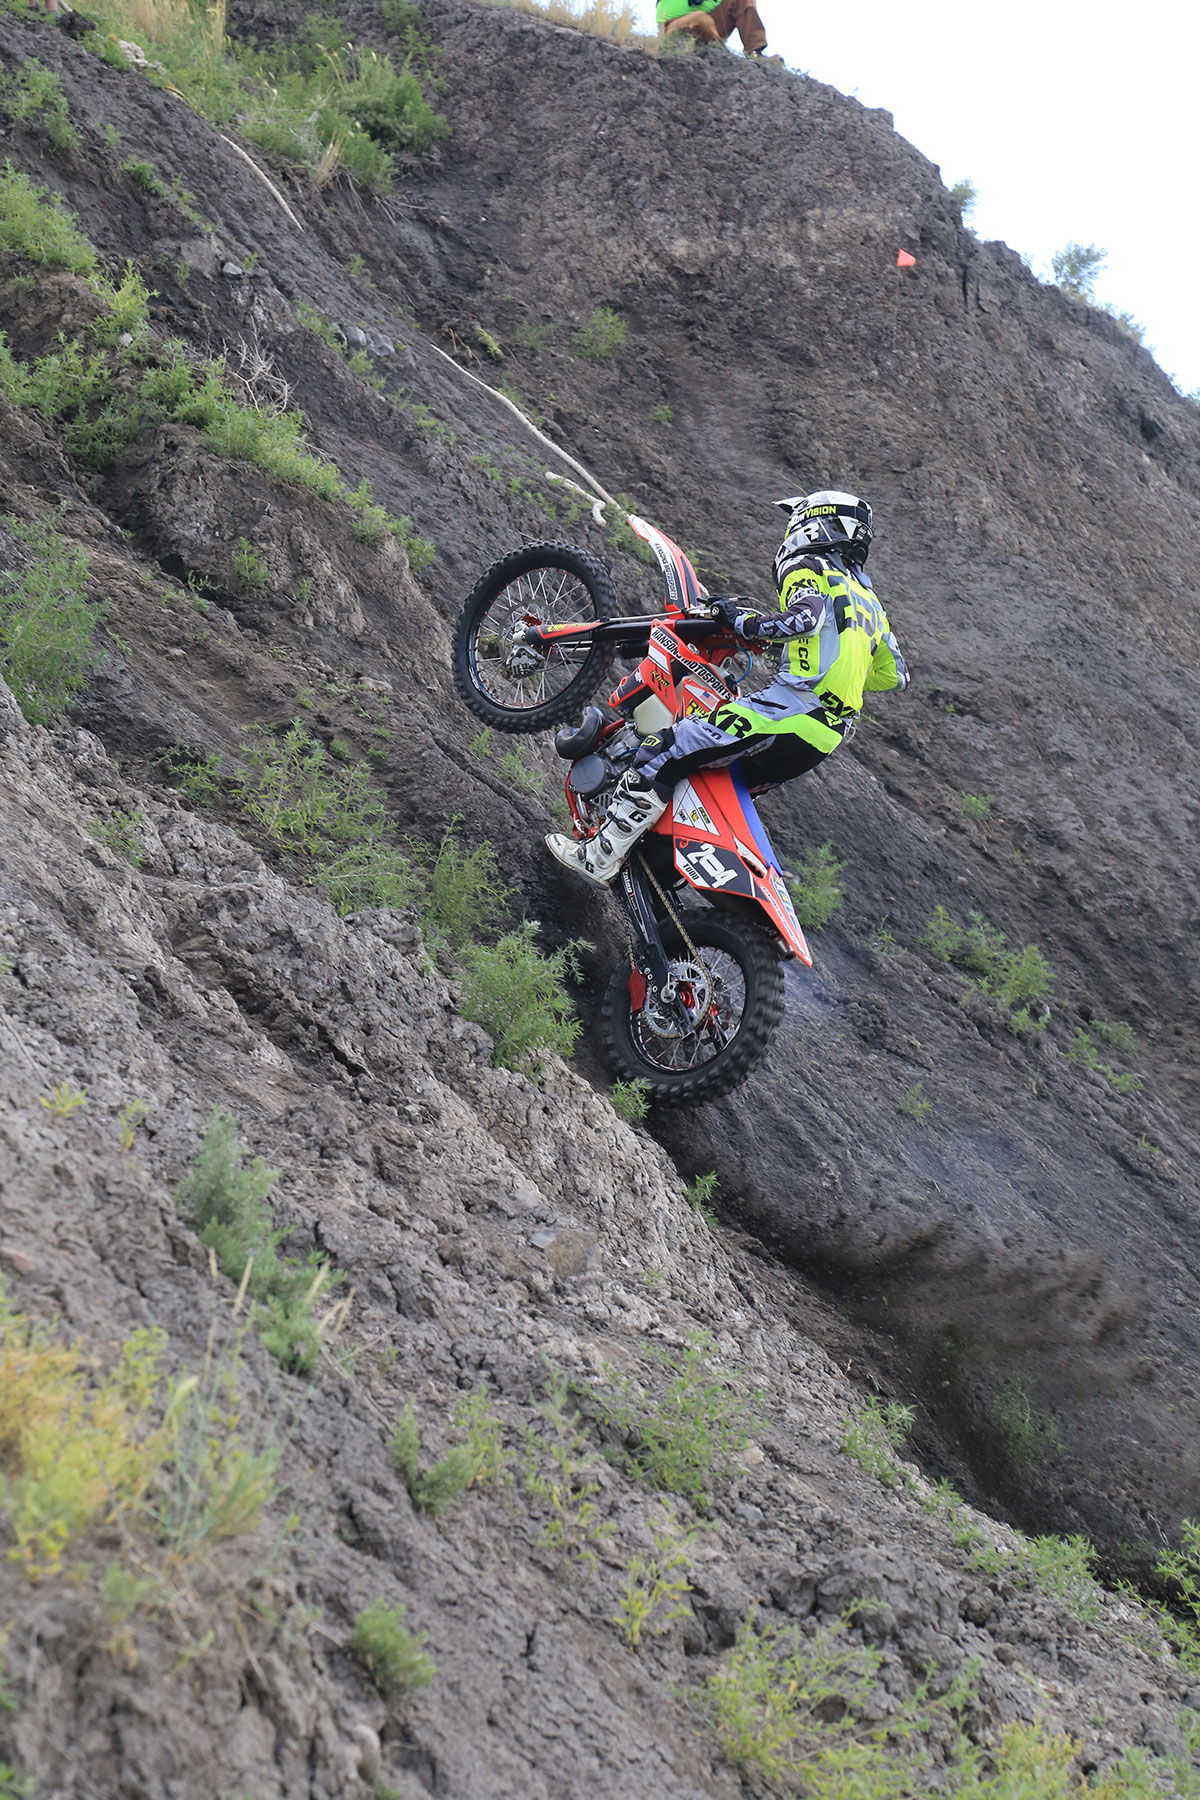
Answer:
(714, 27)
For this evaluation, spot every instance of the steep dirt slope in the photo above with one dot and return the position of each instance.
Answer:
(495, 1234)
(1036, 482)
(1036, 479)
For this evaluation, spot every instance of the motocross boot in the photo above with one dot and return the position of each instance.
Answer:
(633, 809)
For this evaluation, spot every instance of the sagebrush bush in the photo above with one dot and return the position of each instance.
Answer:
(35, 92)
(874, 1438)
(601, 337)
(47, 625)
(463, 895)
(308, 803)
(226, 1202)
(518, 994)
(390, 1653)
(685, 1439)
(481, 1460)
(37, 225)
(1025, 1433)
(173, 1459)
(630, 1099)
(815, 889)
(802, 1712)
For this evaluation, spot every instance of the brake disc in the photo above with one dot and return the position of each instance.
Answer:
(692, 990)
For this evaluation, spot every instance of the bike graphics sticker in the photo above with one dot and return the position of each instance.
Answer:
(711, 866)
(689, 809)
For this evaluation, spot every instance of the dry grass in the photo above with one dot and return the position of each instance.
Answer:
(608, 19)
(166, 22)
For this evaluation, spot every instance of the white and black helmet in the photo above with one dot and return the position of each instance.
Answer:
(824, 521)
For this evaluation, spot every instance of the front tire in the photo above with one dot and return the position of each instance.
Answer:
(515, 687)
(736, 998)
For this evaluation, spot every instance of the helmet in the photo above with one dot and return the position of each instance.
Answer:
(827, 520)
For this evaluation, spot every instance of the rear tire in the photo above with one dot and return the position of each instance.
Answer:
(744, 1003)
(555, 584)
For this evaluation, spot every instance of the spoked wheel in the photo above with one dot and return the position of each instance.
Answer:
(515, 686)
(732, 993)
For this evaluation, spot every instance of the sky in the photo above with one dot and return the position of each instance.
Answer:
(1076, 124)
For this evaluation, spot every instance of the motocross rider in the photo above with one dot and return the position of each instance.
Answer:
(837, 644)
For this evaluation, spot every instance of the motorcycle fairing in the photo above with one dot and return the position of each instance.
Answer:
(682, 588)
(732, 854)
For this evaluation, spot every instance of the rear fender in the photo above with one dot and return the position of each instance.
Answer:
(721, 848)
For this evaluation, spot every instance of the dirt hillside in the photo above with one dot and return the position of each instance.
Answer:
(993, 1225)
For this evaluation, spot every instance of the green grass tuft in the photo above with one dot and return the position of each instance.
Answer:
(815, 889)
(47, 627)
(390, 1653)
(601, 337)
(227, 1204)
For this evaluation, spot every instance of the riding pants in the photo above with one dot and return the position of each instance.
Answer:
(777, 733)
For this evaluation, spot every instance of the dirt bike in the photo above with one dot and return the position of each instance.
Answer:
(696, 1004)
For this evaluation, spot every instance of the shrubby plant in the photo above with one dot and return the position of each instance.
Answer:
(35, 92)
(656, 1584)
(477, 1463)
(389, 1652)
(878, 1433)
(601, 337)
(685, 1439)
(226, 1202)
(630, 1099)
(47, 626)
(313, 99)
(814, 886)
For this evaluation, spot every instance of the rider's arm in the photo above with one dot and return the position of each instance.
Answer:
(888, 667)
(804, 608)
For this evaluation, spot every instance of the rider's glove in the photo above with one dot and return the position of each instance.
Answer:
(735, 614)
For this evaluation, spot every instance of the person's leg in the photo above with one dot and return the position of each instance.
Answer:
(634, 808)
(743, 17)
(695, 25)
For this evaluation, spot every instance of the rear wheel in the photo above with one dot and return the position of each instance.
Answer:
(732, 989)
(522, 687)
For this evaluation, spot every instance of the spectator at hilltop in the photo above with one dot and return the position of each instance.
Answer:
(713, 21)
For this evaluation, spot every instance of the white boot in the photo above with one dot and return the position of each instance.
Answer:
(631, 812)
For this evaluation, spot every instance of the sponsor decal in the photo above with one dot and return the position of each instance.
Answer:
(706, 866)
(689, 809)
(784, 898)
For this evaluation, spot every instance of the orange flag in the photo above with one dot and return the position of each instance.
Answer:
(904, 260)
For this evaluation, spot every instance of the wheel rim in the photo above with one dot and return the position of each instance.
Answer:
(516, 676)
(714, 994)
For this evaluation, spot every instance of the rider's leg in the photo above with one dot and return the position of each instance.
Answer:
(634, 808)
(642, 796)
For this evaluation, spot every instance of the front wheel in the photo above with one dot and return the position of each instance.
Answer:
(732, 990)
(515, 686)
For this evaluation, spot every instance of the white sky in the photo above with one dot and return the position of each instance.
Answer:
(1077, 123)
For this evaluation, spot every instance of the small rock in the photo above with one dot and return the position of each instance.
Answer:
(355, 336)
(748, 1514)
(17, 1259)
(542, 1240)
(367, 1753)
(176, 652)
(232, 269)
(381, 346)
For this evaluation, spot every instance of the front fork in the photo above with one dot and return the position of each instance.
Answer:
(653, 964)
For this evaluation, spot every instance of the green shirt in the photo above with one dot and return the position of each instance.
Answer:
(679, 9)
